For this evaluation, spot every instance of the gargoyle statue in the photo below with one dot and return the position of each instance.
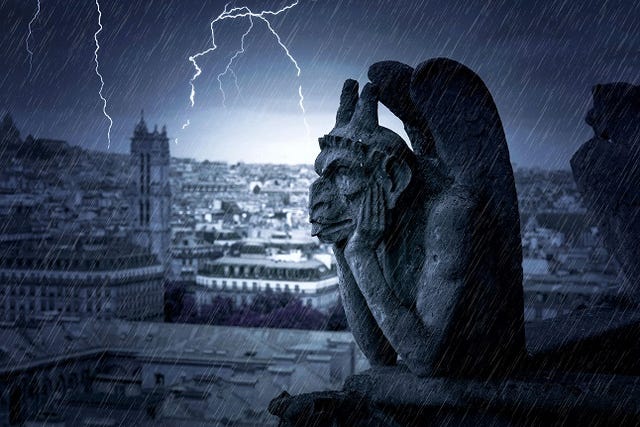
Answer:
(427, 238)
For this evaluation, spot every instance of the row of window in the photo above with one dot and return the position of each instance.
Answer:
(74, 263)
(244, 286)
(244, 299)
(50, 304)
(127, 291)
(259, 271)
(139, 304)
(58, 291)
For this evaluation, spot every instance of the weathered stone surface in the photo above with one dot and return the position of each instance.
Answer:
(427, 240)
(607, 171)
(521, 401)
(328, 408)
(584, 368)
(394, 396)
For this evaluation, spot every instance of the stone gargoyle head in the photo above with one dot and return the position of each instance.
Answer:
(355, 155)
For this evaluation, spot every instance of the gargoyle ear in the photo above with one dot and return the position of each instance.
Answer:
(365, 116)
(396, 180)
(348, 101)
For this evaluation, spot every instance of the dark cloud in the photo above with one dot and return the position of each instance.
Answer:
(539, 58)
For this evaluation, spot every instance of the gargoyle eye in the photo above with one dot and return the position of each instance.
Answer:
(334, 170)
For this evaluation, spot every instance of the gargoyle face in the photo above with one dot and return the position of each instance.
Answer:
(357, 154)
(335, 196)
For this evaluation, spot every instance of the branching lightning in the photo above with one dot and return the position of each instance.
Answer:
(304, 113)
(95, 53)
(228, 68)
(242, 12)
(235, 80)
(33, 19)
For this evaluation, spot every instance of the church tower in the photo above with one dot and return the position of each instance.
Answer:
(151, 201)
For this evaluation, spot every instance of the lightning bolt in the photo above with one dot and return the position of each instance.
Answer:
(35, 16)
(228, 68)
(95, 53)
(304, 113)
(235, 80)
(242, 12)
(193, 58)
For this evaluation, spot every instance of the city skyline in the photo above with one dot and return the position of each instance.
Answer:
(539, 61)
(171, 254)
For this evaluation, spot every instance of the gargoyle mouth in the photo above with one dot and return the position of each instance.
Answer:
(325, 227)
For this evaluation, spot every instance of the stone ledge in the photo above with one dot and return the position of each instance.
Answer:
(583, 369)
(598, 395)
(394, 397)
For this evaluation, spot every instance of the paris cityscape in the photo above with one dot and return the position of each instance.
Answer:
(319, 213)
(195, 289)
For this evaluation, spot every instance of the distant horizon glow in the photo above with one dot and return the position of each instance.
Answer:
(539, 66)
(278, 146)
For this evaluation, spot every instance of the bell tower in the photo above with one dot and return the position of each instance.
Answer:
(151, 204)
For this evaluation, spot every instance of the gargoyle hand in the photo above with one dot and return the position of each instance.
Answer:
(371, 223)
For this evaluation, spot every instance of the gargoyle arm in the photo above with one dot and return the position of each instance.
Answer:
(400, 325)
(364, 328)
(439, 287)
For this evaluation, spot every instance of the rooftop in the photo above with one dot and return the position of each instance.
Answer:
(52, 342)
(266, 262)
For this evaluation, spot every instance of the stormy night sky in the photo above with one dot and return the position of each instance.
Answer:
(538, 58)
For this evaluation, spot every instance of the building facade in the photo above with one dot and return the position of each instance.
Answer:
(151, 192)
(98, 278)
(241, 278)
(188, 251)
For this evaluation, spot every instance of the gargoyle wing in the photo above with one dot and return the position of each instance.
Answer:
(450, 115)
(448, 112)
